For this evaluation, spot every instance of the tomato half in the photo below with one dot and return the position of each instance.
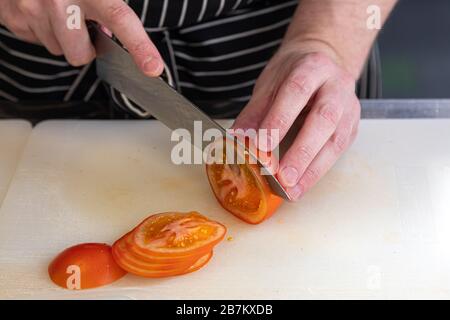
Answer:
(242, 190)
(174, 234)
(85, 266)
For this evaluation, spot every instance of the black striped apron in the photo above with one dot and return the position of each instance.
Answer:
(214, 50)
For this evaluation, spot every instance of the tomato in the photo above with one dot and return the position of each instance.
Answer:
(168, 244)
(145, 255)
(85, 266)
(242, 190)
(121, 253)
(152, 273)
(174, 234)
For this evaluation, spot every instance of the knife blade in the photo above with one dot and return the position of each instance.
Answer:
(116, 67)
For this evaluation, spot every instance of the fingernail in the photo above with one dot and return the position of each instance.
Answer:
(152, 66)
(289, 176)
(295, 192)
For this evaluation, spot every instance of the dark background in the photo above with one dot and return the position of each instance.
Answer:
(415, 50)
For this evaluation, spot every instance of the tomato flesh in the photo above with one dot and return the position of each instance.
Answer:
(177, 234)
(242, 190)
(85, 266)
(237, 188)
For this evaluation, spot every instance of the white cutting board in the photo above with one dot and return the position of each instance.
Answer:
(378, 226)
(13, 136)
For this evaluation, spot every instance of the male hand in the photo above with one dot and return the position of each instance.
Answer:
(293, 80)
(45, 22)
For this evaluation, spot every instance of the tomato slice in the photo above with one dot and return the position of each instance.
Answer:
(174, 234)
(242, 190)
(122, 254)
(145, 255)
(85, 266)
(154, 273)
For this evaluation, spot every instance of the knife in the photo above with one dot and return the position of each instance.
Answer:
(116, 67)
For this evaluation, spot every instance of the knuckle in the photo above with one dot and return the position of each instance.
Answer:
(17, 28)
(340, 142)
(141, 48)
(27, 7)
(319, 58)
(305, 154)
(279, 122)
(118, 12)
(329, 114)
(299, 84)
(310, 176)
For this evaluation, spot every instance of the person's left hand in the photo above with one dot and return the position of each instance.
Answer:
(293, 80)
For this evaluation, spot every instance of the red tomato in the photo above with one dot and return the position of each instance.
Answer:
(168, 244)
(175, 234)
(121, 253)
(154, 273)
(85, 266)
(242, 190)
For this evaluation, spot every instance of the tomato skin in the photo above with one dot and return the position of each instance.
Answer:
(269, 202)
(95, 264)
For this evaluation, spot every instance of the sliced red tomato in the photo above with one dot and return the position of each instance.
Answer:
(122, 254)
(169, 273)
(153, 271)
(242, 190)
(168, 244)
(85, 266)
(145, 255)
(174, 234)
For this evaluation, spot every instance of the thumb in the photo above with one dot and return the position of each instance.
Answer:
(123, 22)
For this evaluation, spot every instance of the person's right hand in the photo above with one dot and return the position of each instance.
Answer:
(45, 22)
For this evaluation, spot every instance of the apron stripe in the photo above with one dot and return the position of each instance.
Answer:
(215, 50)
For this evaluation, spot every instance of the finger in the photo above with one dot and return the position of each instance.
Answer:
(294, 94)
(15, 22)
(38, 21)
(253, 113)
(25, 33)
(44, 32)
(258, 106)
(128, 28)
(75, 42)
(327, 157)
(320, 124)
